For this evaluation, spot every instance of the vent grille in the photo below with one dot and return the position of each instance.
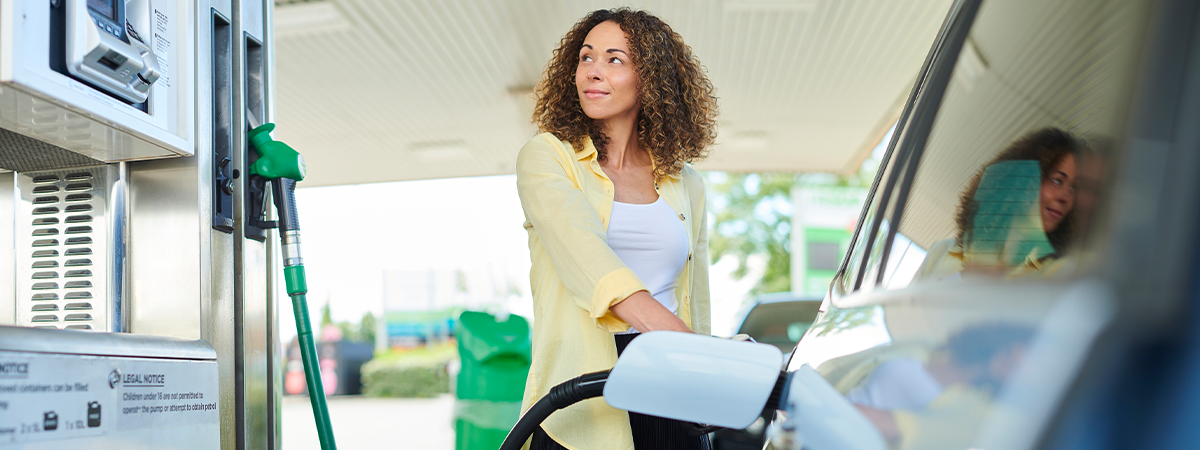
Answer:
(61, 282)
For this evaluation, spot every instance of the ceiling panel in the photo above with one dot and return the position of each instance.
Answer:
(387, 90)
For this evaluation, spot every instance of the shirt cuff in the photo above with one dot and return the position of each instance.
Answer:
(612, 289)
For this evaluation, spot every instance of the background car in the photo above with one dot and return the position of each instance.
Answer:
(779, 319)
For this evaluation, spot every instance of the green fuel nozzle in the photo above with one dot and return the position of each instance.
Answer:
(282, 166)
(275, 159)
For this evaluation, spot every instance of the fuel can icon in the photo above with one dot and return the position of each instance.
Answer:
(49, 421)
(93, 414)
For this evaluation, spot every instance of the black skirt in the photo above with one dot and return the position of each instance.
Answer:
(649, 432)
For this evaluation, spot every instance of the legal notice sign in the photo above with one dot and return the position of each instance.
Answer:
(47, 397)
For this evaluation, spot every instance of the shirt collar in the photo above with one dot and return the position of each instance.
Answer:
(589, 151)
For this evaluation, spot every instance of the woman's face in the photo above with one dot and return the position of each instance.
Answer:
(605, 77)
(1058, 193)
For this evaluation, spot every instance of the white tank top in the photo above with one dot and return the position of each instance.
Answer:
(652, 241)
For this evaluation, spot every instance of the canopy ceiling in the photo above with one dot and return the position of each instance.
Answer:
(385, 90)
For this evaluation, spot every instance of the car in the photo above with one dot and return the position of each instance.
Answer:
(779, 319)
(999, 301)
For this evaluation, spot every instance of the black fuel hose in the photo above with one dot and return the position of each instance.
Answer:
(567, 393)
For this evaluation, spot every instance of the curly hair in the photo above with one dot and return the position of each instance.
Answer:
(1047, 146)
(677, 119)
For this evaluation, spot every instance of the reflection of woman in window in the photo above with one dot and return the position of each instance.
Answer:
(995, 238)
(939, 400)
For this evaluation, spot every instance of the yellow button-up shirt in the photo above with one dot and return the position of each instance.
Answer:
(576, 278)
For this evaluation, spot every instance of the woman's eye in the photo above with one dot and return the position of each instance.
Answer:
(616, 60)
(585, 58)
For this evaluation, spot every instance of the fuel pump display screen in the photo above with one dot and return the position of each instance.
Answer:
(105, 8)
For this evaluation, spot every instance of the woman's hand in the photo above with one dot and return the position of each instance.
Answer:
(644, 313)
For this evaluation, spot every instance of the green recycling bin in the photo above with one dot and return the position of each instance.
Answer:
(495, 358)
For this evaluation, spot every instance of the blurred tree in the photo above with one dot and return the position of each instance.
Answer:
(363, 331)
(326, 313)
(752, 216)
(366, 328)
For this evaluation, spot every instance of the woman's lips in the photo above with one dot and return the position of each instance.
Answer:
(1054, 213)
(594, 93)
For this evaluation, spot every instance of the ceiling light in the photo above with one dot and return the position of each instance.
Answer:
(301, 19)
(438, 152)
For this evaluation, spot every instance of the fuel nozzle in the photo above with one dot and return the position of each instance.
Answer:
(275, 158)
(283, 166)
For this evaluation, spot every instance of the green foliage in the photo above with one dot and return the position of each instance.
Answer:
(753, 213)
(414, 373)
(363, 331)
(748, 222)
(366, 328)
(326, 313)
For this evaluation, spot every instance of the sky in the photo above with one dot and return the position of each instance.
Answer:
(356, 233)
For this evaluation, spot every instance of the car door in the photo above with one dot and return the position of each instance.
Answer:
(979, 280)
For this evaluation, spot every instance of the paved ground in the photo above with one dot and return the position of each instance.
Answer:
(361, 423)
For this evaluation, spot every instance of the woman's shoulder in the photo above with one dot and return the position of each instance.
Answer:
(543, 151)
(692, 179)
(548, 144)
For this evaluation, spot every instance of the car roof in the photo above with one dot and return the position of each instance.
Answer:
(765, 299)
(785, 297)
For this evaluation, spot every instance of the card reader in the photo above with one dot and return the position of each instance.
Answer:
(103, 50)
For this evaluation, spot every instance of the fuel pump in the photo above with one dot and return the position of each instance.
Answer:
(135, 309)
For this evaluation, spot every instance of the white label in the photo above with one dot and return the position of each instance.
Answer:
(52, 397)
(162, 44)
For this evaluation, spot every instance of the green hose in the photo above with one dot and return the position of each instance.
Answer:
(296, 288)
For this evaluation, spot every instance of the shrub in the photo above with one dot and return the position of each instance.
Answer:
(420, 373)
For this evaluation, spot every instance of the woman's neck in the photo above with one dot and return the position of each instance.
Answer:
(623, 149)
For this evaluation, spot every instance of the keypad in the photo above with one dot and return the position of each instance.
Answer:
(115, 31)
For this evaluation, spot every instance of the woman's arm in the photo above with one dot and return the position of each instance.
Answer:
(645, 313)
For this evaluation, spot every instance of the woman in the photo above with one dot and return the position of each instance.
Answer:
(616, 220)
(1050, 153)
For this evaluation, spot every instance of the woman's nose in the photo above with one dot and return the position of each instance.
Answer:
(594, 72)
(1064, 195)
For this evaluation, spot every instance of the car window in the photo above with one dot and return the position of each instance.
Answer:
(1012, 171)
(859, 247)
